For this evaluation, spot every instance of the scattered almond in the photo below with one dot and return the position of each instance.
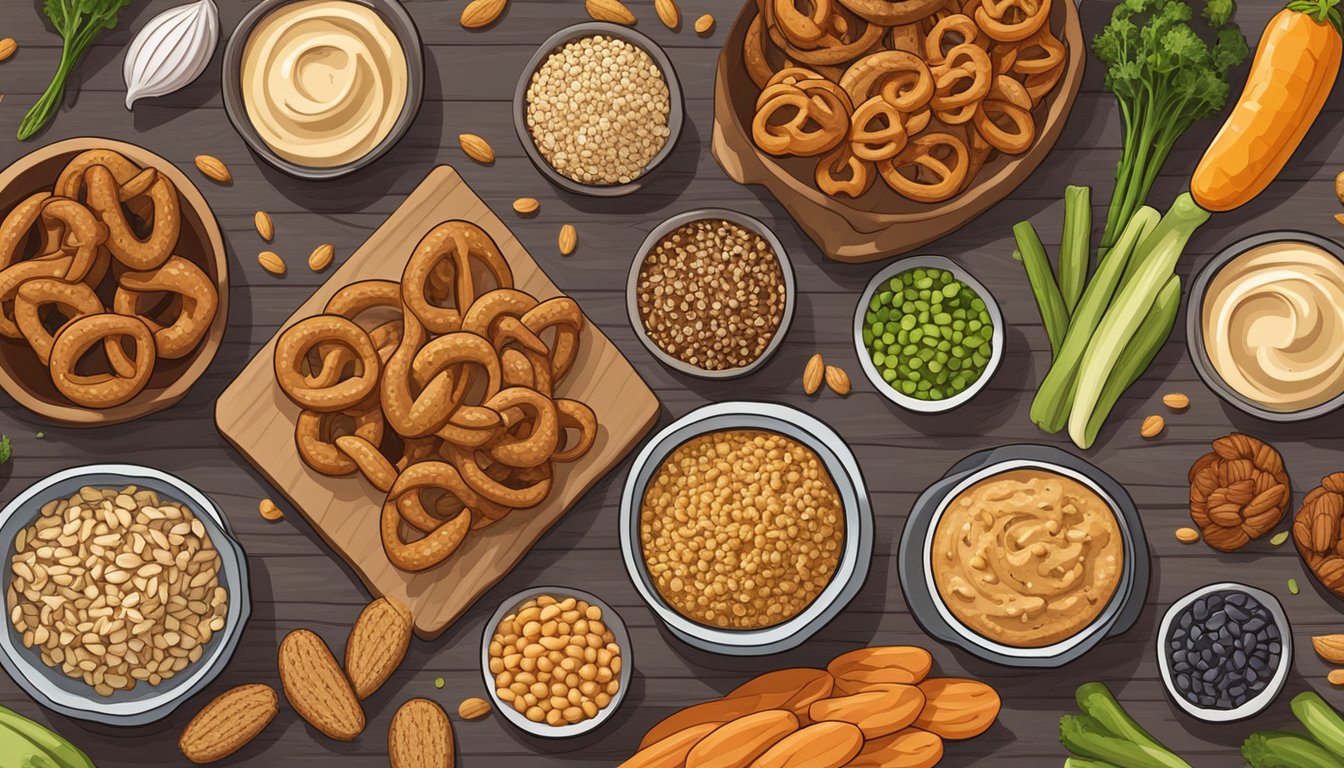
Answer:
(317, 688)
(271, 262)
(568, 239)
(526, 206)
(228, 723)
(613, 11)
(668, 13)
(1187, 535)
(377, 644)
(321, 257)
(420, 736)
(1336, 677)
(812, 374)
(476, 148)
(473, 708)
(214, 169)
(269, 511)
(7, 48)
(837, 380)
(1329, 647)
(1152, 427)
(704, 24)
(1339, 217)
(1176, 401)
(482, 13)
(265, 227)
(1339, 186)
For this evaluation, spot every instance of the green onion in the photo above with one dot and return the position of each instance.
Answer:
(1054, 314)
(1075, 247)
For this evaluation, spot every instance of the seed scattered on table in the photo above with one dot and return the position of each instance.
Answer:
(7, 48)
(1152, 427)
(1223, 650)
(1336, 677)
(837, 380)
(526, 206)
(271, 262)
(321, 257)
(1292, 586)
(813, 374)
(438, 682)
(1187, 535)
(473, 708)
(214, 169)
(597, 110)
(568, 239)
(1176, 401)
(269, 511)
(1278, 538)
(265, 227)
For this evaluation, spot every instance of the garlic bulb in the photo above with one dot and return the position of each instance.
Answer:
(171, 50)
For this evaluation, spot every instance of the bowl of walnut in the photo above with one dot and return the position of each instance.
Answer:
(125, 592)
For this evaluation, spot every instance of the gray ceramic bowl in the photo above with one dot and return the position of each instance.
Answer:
(144, 704)
(675, 118)
(1194, 326)
(666, 228)
(917, 540)
(1260, 701)
(866, 358)
(609, 617)
(844, 470)
(398, 20)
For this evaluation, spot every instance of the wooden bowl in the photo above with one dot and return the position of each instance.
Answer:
(881, 223)
(24, 377)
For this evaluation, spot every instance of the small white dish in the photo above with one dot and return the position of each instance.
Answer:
(866, 356)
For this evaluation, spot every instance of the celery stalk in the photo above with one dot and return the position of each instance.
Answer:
(1321, 721)
(1075, 246)
(1054, 315)
(1086, 762)
(1280, 749)
(1084, 736)
(1160, 252)
(1050, 407)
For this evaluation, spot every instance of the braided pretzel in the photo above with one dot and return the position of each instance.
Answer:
(1005, 126)
(815, 118)
(128, 248)
(957, 25)
(439, 544)
(961, 81)
(803, 28)
(877, 131)
(1011, 20)
(315, 436)
(902, 78)
(890, 13)
(841, 173)
(102, 390)
(939, 155)
(74, 300)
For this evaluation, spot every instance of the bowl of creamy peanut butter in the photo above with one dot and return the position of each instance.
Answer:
(1265, 325)
(322, 88)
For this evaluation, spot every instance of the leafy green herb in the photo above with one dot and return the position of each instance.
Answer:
(5, 450)
(1166, 76)
(78, 22)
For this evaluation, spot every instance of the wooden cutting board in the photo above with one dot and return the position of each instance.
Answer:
(259, 420)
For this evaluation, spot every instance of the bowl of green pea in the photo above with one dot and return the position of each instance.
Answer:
(928, 334)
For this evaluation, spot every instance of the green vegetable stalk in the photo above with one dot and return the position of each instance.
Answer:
(30, 744)
(1085, 736)
(1321, 721)
(1075, 248)
(78, 22)
(1165, 77)
(1279, 749)
(1054, 313)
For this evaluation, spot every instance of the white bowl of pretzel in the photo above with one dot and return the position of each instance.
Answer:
(439, 389)
(113, 282)
(887, 113)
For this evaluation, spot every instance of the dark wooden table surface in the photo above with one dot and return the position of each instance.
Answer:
(297, 581)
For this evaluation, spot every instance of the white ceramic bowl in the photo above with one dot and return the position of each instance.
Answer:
(609, 617)
(144, 704)
(844, 470)
(668, 227)
(866, 357)
(1261, 700)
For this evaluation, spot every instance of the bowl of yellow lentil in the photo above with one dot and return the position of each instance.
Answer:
(556, 660)
(746, 527)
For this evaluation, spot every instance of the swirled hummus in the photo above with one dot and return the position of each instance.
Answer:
(1027, 557)
(323, 81)
(1273, 323)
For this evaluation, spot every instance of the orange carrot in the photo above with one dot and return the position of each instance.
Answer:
(1293, 72)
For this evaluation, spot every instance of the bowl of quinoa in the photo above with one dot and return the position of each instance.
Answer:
(746, 527)
(598, 108)
(711, 293)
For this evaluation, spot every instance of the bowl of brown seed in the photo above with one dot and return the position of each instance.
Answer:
(125, 592)
(711, 293)
(598, 108)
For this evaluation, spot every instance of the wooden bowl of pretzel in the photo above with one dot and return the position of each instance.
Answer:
(113, 282)
(882, 125)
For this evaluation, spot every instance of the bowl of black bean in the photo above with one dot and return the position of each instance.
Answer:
(1225, 651)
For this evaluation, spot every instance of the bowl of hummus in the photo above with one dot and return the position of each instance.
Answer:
(1265, 326)
(322, 88)
(1024, 555)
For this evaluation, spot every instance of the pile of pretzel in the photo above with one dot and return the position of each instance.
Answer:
(918, 92)
(90, 279)
(440, 390)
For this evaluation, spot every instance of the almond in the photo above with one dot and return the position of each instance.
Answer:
(1329, 647)
(740, 742)
(568, 239)
(269, 511)
(377, 644)
(1176, 401)
(1339, 186)
(214, 169)
(473, 708)
(1187, 535)
(420, 736)
(482, 13)
(316, 687)
(1152, 427)
(813, 373)
(1339, 217)
(271, 262)
(7, 48)
(704, 24)
(837, 380)
(228, 723)
(910, 748)
(526, 206)
(321, 257)
(1336, 677)
(956, 708)
(822, 745)
(613, 11)
(476, 148)
(668, 13)
(877, 712)
(265, 227)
